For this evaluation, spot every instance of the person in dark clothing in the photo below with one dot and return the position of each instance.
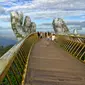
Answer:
(48, 33)
(45, 34)
(38, 34)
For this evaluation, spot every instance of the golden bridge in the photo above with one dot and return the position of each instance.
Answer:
(35, 61)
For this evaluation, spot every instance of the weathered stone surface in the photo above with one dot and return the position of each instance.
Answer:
(16, 24)
(33, 27)
(27, 21)
(59, 26)
(27, 25)
(21, 30)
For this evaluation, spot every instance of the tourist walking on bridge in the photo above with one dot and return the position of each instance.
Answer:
(41, 34)
(53, 37)
(38, 34)
(45, 34)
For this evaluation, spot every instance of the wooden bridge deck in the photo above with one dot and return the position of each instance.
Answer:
(51, 65)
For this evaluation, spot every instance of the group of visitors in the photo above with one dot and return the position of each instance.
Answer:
(40, 35)
(47, 35)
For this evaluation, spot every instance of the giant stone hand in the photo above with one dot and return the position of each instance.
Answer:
(59, 26)
(21, 30)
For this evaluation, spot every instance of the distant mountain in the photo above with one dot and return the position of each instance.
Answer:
(7, 41)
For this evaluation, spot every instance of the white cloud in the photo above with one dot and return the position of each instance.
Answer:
(21, 7)
(44, 9)
(6, 0)
(5, 18)
(83, 17)
(50, 4)
(50, 8)
(2, 0)
(54, 14)
(2, 10)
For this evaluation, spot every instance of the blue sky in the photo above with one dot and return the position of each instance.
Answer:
(41, 11)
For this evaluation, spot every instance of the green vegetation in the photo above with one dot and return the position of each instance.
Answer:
(4, 49)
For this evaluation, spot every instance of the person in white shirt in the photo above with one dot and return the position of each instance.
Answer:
(53, 37)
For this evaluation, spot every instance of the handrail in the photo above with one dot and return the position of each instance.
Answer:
(74, 47)
(76, 38)
(13, 62)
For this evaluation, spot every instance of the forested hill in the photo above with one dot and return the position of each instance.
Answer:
(6, 44)
(3, 49)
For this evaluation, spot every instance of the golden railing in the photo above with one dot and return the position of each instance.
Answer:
(13, 64)
(73, 44)
(76, 38)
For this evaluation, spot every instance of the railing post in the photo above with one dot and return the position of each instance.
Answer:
(17, 61)
(74, 45)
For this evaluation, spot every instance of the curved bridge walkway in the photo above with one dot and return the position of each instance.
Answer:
(49, 64)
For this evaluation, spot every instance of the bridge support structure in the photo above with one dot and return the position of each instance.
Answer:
(14, 63)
